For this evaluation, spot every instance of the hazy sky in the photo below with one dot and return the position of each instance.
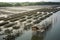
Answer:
(28, 0)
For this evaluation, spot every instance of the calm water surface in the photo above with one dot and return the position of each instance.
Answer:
(53, 33)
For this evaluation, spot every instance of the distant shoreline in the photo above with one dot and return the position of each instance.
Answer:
(14, 4)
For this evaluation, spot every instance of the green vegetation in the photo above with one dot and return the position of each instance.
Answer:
(37, 21)
(29, 21)
(22, 20)
(5, 4)
(0, 29)
(7, 31)
(9, 25)
(16, 27)
(3, 23)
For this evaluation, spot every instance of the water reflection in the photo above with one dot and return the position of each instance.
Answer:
(27, 27)
(28, 34)
(12, 36)
(54, 32)
(37, 36)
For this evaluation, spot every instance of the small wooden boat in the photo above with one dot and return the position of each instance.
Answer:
(35, 28)
(41, 28)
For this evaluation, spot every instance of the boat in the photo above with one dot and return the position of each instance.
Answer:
(45, 25)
